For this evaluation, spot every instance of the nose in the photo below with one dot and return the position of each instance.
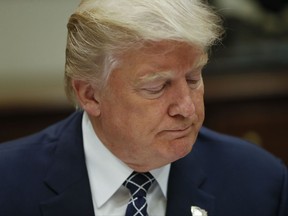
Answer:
(182, 102)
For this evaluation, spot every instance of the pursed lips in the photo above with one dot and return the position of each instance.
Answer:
(179, 132)
(180, 128)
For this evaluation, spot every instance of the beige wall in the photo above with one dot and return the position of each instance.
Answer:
(32, 49)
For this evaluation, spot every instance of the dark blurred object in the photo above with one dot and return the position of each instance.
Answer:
(255, 39)
(274, 6)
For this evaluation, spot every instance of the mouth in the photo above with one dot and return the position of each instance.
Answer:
(179, 132)
(180, 129)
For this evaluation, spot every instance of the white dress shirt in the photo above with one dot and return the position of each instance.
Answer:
(107, 173)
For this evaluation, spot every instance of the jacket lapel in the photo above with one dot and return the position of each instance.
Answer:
(186, 180)
(67, 177)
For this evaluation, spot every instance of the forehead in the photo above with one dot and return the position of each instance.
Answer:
(163, 55)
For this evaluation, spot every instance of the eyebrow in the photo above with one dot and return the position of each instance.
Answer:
(168, 75)
(165, 75)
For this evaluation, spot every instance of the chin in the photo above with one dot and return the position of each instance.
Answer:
(181, 148)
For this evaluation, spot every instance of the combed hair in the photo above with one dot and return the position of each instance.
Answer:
(99, 30)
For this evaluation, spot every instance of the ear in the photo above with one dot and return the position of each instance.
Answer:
(87, 96)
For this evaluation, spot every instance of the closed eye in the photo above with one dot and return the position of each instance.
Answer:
(194, 81)
(155, 90)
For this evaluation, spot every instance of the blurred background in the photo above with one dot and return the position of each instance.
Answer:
(246, 80)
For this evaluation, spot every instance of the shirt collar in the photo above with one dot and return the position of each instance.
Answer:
(103, 167)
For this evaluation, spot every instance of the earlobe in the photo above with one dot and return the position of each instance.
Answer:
(87, 97)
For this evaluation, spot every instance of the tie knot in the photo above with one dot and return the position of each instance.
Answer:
(139, 183)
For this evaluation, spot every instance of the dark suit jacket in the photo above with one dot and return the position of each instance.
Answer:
(45, 174)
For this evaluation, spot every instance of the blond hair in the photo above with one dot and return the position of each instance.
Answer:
(101, 29)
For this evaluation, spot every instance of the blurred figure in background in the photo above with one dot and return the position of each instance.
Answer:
(134, 70)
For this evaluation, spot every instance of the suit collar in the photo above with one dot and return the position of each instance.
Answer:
(185, 188)
(67, 177)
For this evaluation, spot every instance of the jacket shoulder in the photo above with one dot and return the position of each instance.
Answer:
(38, 147)
(41, 138)
(233, 148)
(239, 171)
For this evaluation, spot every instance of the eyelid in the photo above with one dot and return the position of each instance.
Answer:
(197, 74)
(154, 87)
(152, 93)
(152, 90)
(193, 80)
(155, 90)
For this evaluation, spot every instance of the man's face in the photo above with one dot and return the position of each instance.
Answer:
(152, 108)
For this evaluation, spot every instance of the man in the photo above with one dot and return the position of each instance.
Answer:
(134, 69)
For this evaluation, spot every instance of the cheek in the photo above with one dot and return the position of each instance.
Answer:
(128, 117)
(145, 120)
(199, 105)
